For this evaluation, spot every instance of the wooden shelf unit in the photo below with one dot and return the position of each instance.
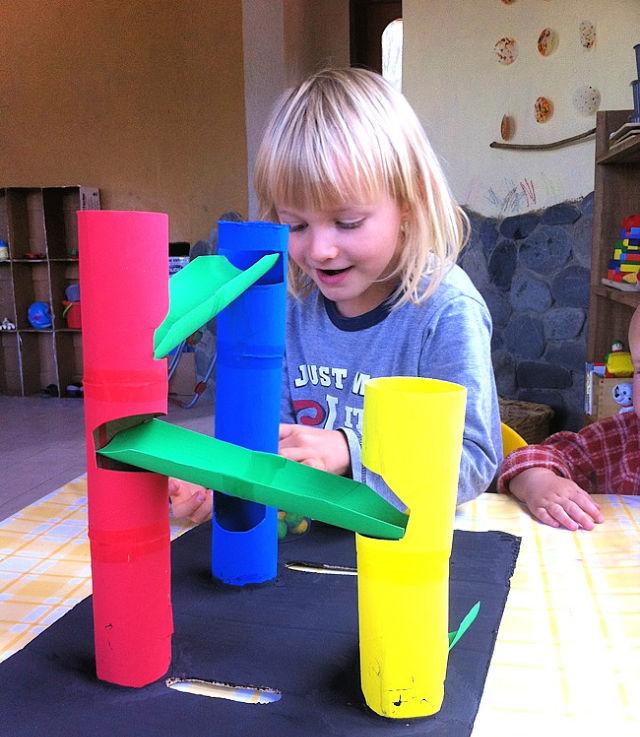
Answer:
(40, 221)
(616, 195)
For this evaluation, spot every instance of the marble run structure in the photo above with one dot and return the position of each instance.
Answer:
(412, 438)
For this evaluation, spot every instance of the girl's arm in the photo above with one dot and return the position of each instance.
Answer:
(457, 348)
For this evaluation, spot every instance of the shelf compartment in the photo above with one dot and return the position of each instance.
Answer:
(69, 355)
(40, 220)
(631, 299)
(60, 207)
(4, 219)
(616, 196)
(37, 352)
(10, 374)
(31, 280)
(626, 152)
(7, 297)
(26, 221)
(63, 273)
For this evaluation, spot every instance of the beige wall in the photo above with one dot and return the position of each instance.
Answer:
(316, 34)
(460, 92)
(284, 41)
(143, 99)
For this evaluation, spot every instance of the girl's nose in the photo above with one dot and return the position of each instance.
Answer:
(322, 246)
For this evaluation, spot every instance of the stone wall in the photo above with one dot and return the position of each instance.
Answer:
(533, 270)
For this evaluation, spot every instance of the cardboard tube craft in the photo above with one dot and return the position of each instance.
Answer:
(403, 578)
(124, 273)
(250, 346)
(413, 439)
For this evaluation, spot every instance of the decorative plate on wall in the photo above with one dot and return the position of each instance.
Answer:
(507, 128)
(506, 50)
(547, 42)
(587, 32)
(543, 109)
(586, 100)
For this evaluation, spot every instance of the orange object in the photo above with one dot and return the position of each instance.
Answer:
(543, 109)
(72, 314)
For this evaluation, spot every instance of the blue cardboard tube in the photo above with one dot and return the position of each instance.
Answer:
(250, 348)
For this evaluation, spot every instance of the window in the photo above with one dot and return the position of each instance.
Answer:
(392, 53)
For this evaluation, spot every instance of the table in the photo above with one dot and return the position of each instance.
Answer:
(567, 656)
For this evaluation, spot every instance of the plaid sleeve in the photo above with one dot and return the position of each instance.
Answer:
(602, 455)
(531, 456)
(568, 454)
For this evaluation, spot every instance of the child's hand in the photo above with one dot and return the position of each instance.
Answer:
(190, 501)
(554, 500)
(323, 449)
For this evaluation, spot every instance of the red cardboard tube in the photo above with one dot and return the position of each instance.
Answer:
(124, 272)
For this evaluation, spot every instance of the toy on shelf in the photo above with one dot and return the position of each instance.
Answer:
(39, 315)
(630, 128)
(7, 325)
(624, 268)
(618, 361)
(623, 396)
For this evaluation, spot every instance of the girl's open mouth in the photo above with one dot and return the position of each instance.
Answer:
(332, 276)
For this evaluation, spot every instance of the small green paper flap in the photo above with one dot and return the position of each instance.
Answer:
(199, 292)
(265, 478)
(468, 620)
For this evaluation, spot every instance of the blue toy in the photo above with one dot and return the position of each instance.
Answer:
(39, 315)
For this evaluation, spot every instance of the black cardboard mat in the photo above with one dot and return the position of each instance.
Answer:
(298, 634)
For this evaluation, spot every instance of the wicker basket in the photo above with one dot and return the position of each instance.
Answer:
(528, 419)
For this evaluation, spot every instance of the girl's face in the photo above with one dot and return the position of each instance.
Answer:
(348, 251)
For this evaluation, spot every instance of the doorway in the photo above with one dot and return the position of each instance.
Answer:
(368, 20)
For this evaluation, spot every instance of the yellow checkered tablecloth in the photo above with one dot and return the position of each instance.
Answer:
(45, 567)
(567, 657)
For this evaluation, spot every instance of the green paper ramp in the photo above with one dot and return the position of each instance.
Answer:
(199, 292)
(265, 478)
(467, 621)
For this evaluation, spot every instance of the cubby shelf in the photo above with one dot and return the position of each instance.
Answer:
(40, 221)
(616, 195)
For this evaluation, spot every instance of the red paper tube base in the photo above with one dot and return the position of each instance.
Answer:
(130, 564)
(124, 274)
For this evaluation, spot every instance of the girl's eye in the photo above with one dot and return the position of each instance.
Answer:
(349, 225)
(296, 227)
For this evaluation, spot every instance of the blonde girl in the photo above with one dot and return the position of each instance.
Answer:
(375, 290)
(374, 238)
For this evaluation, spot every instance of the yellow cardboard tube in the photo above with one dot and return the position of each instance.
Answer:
(412, 438)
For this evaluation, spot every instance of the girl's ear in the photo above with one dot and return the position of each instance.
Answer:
(405, 211)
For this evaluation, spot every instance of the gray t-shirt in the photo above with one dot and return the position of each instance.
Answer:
(328, 359)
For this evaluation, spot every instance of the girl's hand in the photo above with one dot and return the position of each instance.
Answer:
(190, 501)
(324, 449)
(554, 500)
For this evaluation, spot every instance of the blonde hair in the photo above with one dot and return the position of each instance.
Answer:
(347, 134)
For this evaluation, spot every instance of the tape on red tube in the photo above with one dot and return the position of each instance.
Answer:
(126, 386)
(127, 546)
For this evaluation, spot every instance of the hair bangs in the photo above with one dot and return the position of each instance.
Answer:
(345, 136)
(323, 173)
